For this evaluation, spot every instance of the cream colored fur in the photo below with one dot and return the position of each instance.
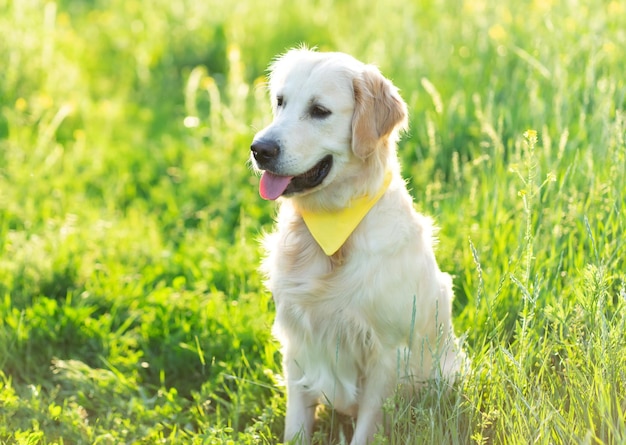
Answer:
(375, 316)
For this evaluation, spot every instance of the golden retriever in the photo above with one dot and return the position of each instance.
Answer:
(362, 308)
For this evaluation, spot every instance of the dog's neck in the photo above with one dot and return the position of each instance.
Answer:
(331, 228)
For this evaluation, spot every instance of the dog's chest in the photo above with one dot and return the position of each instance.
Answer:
(344, 295)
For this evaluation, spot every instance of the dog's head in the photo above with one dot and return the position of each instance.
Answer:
(335, 124)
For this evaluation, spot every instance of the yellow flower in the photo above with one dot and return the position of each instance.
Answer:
(531, 136)
(63, 19)
(615, 8)
(497, 32)
(21, 104)
(45, 101)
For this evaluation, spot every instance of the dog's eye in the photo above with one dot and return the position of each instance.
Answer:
(319, 112)
(279, 101)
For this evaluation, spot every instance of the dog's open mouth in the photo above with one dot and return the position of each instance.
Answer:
(272, 185)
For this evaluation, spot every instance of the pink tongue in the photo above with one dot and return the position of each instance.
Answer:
(272, 186)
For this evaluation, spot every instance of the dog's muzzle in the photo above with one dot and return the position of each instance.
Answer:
(274, 183)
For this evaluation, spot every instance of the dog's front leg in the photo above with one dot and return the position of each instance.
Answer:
(370, 412)
(369, 417)
(300, 408)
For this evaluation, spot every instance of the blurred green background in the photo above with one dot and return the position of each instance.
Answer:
(131, 310)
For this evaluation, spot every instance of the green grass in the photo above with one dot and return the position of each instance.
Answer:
(131, 309)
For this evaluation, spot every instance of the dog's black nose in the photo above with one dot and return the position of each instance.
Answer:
(264, 151)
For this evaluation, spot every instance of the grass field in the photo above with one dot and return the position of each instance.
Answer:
(131, 309)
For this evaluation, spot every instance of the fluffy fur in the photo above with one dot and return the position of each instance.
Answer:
(376, 315)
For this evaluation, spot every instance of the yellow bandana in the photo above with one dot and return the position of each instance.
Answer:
(331, 228)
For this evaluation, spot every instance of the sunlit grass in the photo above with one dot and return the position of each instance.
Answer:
(131, 309)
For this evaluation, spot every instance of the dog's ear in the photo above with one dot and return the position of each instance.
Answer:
(378, 112)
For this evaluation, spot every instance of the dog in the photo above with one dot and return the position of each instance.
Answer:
(362, 308)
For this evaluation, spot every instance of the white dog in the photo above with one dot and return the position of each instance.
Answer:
(361, 306)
